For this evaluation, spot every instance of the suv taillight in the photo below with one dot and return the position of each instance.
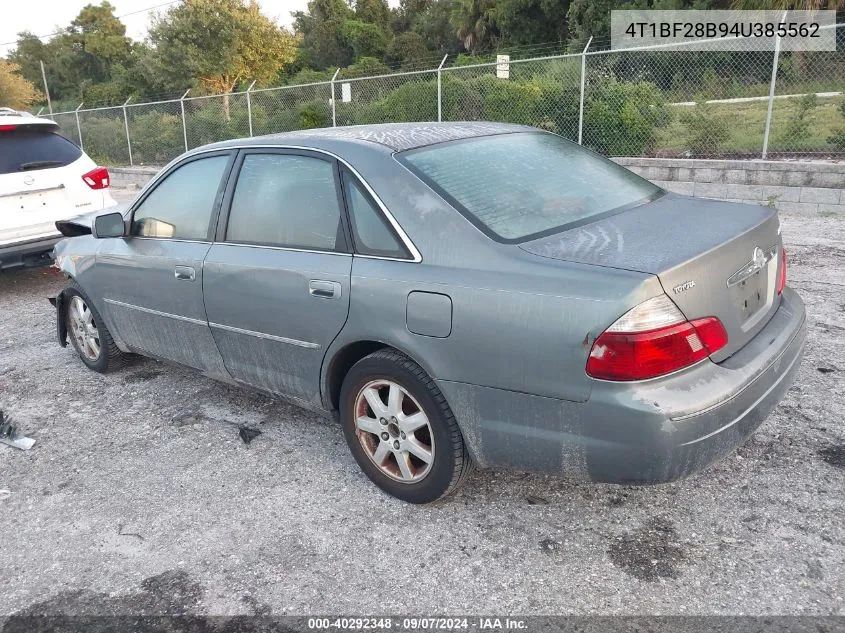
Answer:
(651, 340)
(97, 178)
(782, 276)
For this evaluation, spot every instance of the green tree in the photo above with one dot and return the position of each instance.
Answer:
(373, 12)
(219, 44)
(89, 51)
(587, 18)
(524, 22)
(27, 54)
(15, 91)
(434, 26)
(365, 39)
(475, 23)
(321, 29)
(406, 48)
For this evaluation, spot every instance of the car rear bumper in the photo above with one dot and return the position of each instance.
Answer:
(28, 253)
(650, 431)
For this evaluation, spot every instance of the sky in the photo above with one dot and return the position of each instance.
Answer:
(43, 17)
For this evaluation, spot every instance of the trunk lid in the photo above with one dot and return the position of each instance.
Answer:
(713, 258)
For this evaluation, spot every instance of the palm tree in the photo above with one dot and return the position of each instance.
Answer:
(474, 21)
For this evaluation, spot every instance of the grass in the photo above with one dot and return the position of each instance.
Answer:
(746, 122)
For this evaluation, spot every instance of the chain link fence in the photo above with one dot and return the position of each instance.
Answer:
(656, 101)
(544, 93)
(155, 132)
(290, 108)
(395, 98)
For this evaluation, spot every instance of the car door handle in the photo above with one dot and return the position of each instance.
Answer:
(325, 289)
(184, 273)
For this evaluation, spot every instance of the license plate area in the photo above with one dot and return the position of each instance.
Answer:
(30, 202)
(754, 296)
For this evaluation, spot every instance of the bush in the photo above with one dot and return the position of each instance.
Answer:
(796, 132)
(156, 137)
(704, 131)
(837, 139)
(413, 100)
(104, 139)
(621, 117)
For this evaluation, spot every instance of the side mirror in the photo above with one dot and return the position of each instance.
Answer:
(109, 225)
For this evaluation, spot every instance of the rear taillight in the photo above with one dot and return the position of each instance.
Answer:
(651, 340)
(97, 178)
(782, 276)
(8, 128)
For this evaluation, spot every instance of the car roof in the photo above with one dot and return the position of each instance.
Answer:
(393, 137)
(8, 116)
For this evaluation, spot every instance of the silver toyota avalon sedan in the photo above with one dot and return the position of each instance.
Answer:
(454, 294)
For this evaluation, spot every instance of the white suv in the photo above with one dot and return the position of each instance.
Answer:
(43, 178)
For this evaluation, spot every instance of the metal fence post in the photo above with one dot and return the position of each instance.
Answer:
(249, 107)
(334, 112)
(772, 92)
(126, 127)
(79, 127)
(184, 125)
(581, 102)
(440, 89)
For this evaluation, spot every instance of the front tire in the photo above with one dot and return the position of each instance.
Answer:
(88, 334)
(401, 430)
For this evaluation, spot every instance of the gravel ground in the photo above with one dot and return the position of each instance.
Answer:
(140, 495)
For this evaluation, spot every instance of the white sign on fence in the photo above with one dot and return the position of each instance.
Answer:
(503, 66)
(346, 92)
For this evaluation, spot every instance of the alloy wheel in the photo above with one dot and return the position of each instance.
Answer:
(394, 431)
(83, 328)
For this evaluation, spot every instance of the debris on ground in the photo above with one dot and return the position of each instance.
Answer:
(826, 370)
(247, 434)
(10, 435)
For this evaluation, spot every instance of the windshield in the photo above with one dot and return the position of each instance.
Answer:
(519, 186)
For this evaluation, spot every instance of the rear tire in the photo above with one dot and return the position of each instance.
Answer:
(88, 333)
(401, 430)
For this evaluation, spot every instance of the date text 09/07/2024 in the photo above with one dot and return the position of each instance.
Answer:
(417, 623)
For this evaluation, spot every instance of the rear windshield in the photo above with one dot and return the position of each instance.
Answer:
(34, 147)
(516, 187)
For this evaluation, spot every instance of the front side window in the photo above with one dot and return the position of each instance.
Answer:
(286, 200)
(518, 186)
(181, 205)
(370, 230)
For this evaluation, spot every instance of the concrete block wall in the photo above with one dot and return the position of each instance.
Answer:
(131, 177)
(797, 187)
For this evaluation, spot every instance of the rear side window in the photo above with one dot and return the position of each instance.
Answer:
(286, 200)
(518, 186)
(370, 230)
(34, 147)
(181, 205)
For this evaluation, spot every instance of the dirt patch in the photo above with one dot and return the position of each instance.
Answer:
(650, 552)
(169, 593)
(834, 455)
(144, 375)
